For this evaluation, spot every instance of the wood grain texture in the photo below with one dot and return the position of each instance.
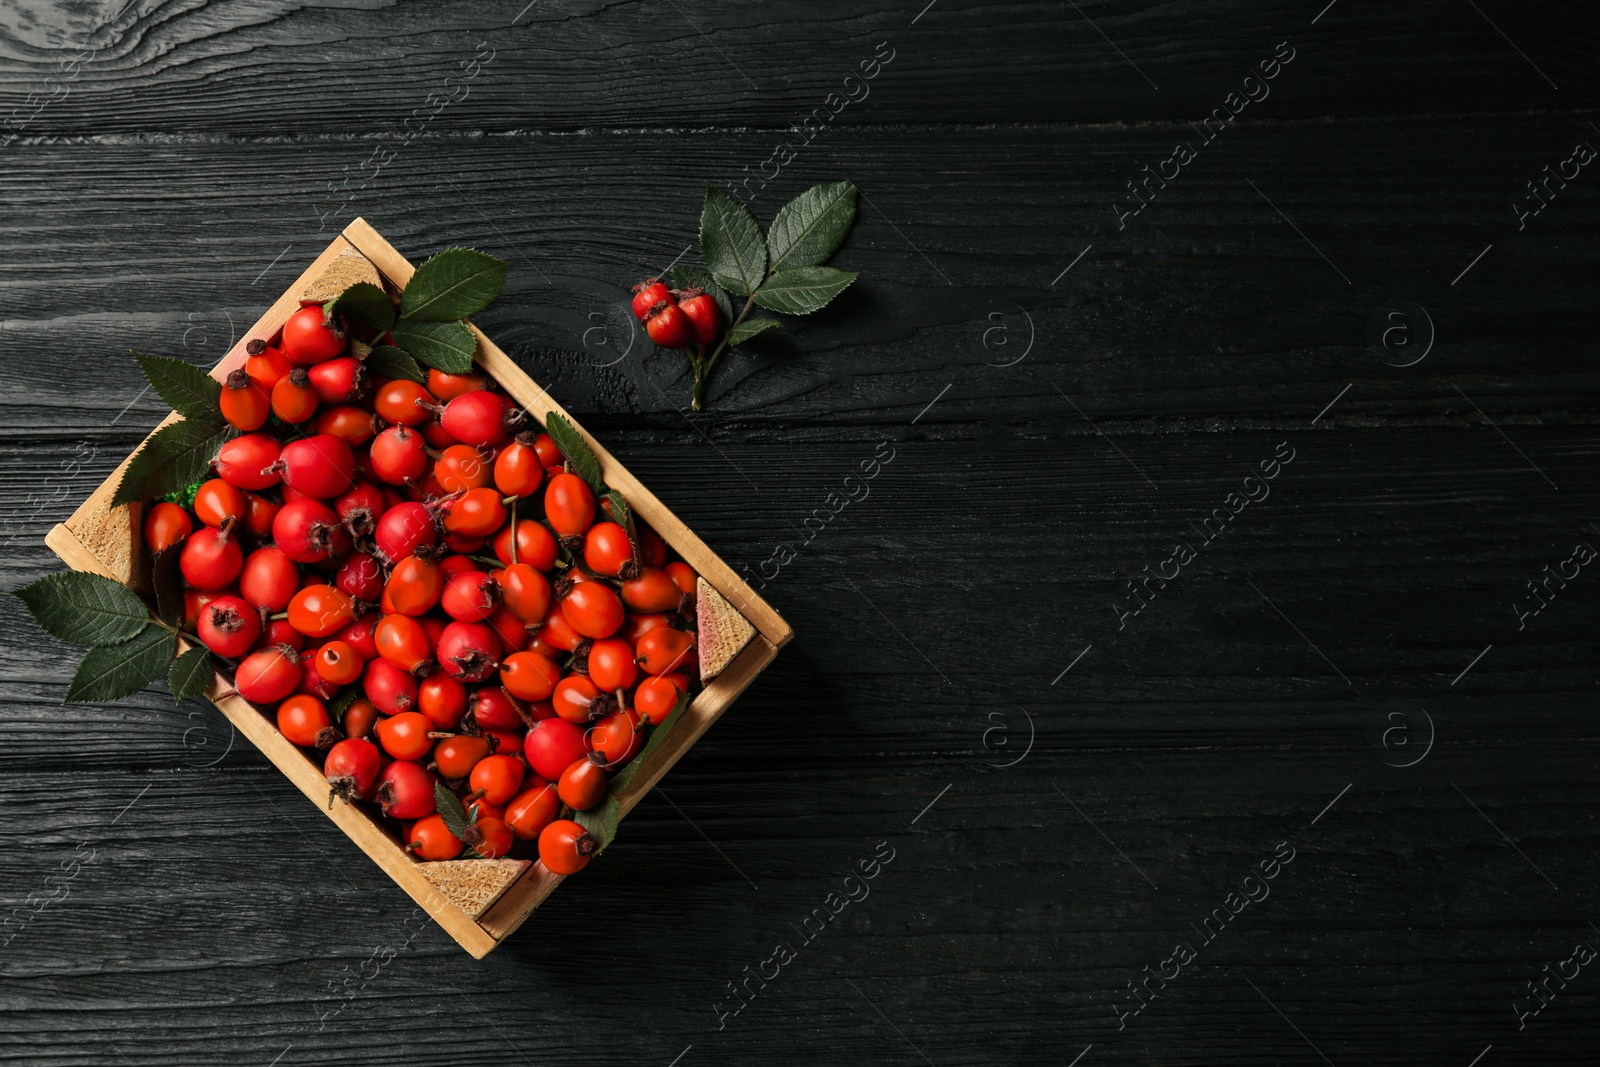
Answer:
(936, 616)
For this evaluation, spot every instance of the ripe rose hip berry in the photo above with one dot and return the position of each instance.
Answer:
(703, 313)
(218, 504)
(352, 425)
(165, 525)
(443, 700)
(338, 663)
(565, 847)
(582, 786)
(532, 809)
(552, 745)
(268, 675)
(303, 719)
(499, 777)
(518, 469)
(391, 690)
(321, 466)
(469, 651)
(657, 696)
(647, 294)
(249, 462)
(405, 736)
(243, 402)
(475, 513)
(576, 699)
(493, 837)
(569, 505)
(480, 418)
(359, 507)
(607, 550)
(403, 529)
(304, 529)
(265, 366)
(413, 588)
(430, 839)
(470, 596)
(456, 756)
(228, 626)
(617, 737)
(351, 767)
(593, 609)
(210, 559)
(664, 650)
(293, 399)
(652, 590)
(495, 709)
(611, 665)
(402, 641)
(339, 381)
(529, 676)
(360, 576)
(668, 326)
(535, 545)
(321, 610)
(269, 579)
(399, 455)
(449, 386)
(308, 339)
(405, 790)
(526, 592)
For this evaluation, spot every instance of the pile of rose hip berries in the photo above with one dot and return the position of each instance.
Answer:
(498, 631)
(676, 318)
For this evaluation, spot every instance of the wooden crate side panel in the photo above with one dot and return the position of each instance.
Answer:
(530, 395)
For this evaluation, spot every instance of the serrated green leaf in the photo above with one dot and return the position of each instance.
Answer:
(190, 674)
(341, 703)
(812, 226)
(622, 515)
(452, 285)
(175, 456)
(85, 609)
(451, 810)
(731, 243)
(750, 328)
(113, 672)
(803, 290)
(167, 581)
(188, 390)
(585, 464)
(447, 346)
(601, 822)
(387, 361)
(365, 303)
(689, 278)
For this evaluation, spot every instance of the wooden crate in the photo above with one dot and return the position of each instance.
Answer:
(105, 541)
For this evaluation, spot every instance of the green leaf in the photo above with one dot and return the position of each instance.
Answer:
(190, 674)
(114, 672)
(341, 703)
(173, 457)
(188, 390)
(168, 584)
(585, 464)
(803, 290)
(622, 515)
(811, 227)
(85, 609)
(447, 346)
(658, 734)
(689, 278)
(392, 363)
(451, 810)
(365, 303)
(749, 328)
(601, 822)
(452, 285)
(731, 243)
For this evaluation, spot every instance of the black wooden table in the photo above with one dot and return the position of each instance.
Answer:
(1181, 673)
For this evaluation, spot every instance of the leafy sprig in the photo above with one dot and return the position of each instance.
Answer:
(427, 330)
(782, 271)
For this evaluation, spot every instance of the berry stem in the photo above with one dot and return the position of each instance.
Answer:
(702, 368)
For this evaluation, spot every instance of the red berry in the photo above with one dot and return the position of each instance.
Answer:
(249, 462)
(565, 847)
(531, 810)
(617, 737)
(494, 709)
(321, 610)
(351, 767)
(569, 505)
(413, 588)
(494, 837)
(360, 576)
(456, 756)
(403, 529)
(552, 745)
(430, 839)
(320, 465)
(607, 549)
(405, 790)
(338, 663)
(210, 559)
(449, 386)
(518, 469)
(402, 641)
(390, 689)
(593, 609)
(228, 626)
(664, 650)
(576, 699)
(268, 674)
(244, 404)
(405, 736)
(656, 696)
(499, 777)
(308, 339)
(352, 425)
(303, 719)
(470, 596)
(652, 591)
(480, 418)
(668, 326)
(293, 399)
(469, 651)
(165, 525)
(611, 665)
(529, 676)
(217, 503)
(443, 700)
(265, 366)
(704, 315)
(339, 381)
(359, 507)
(647, 294)
(475, 513)
(526, 592)
(399, 455)
(583, 785)
(535, 545)
(305, 529)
